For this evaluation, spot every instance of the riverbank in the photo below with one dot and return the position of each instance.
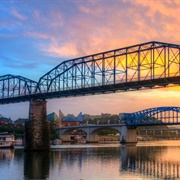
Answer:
(155, 138)
(109, 139)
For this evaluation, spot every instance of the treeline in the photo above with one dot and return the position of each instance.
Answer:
(105, 132)
(114, 119)
(19, 131)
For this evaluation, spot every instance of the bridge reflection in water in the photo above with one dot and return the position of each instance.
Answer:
(90, 162)
(36, 165)
(151, 161)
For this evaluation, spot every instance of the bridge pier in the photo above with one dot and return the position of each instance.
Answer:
(128, 135)
(92, 137)
(37, 130)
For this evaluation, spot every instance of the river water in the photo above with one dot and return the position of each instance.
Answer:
(146, 160)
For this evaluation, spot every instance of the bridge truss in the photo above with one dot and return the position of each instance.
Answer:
(134, 67)
(141, 66)
(152, 116)
(16, 88)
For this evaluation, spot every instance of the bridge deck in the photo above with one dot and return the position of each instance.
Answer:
(101, 89)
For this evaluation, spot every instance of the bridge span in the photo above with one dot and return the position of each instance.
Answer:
(148, 65)
(128, 135)
(159, 116)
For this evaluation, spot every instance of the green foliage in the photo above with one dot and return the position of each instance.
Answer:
(18, 131)
(53, 132)
(107, 131)
(114, 119)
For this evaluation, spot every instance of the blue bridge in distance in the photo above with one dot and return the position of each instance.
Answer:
(147, 65)
(152, 116)
(127, 124)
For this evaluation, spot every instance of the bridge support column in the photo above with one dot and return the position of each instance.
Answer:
(37, 130)
(92, 137)
(128, 135)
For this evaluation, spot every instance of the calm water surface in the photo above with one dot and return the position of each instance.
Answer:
(146, 160)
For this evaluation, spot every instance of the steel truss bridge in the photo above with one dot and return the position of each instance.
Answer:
(147, 65)
(152, 116)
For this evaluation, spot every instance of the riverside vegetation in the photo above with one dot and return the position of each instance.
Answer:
(18, 131)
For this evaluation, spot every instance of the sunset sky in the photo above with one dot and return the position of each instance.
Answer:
(37, 35)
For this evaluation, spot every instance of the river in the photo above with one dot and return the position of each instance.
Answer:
(146, 160)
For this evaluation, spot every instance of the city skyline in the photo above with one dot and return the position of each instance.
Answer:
(38, 35)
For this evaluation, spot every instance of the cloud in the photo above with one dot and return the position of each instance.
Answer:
(36, 37)
(67, 50)
(79, 28)
(16, 14)
(98, 26)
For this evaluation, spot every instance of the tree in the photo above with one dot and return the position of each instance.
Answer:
(53, 132)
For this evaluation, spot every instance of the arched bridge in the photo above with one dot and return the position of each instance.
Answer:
(91, 131)
(127, 124)
(147, 65)
(152, 116)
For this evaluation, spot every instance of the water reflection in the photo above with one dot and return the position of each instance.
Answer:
(120, 162)
(6, 155)
(36, 165)
(151, 161)
(84, 163)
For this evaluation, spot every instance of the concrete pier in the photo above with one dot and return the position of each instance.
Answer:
(92, 137)
(37, 129)
(128, 135)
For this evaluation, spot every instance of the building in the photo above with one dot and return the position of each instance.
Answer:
(6, 140)
(50, 117)
(20, 121)
(53, 118)
(71, 120)
(5, 121)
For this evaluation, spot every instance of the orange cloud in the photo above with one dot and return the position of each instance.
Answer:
(67, 50)
(98, 27)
